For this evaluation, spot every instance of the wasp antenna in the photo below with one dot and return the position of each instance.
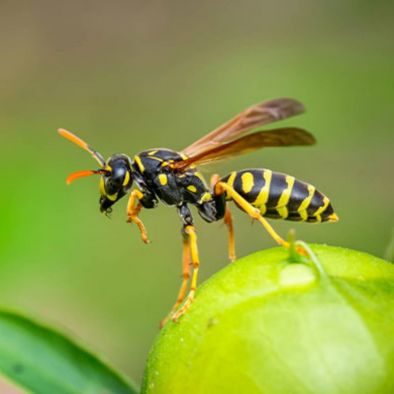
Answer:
(82, 144)
(81, 174)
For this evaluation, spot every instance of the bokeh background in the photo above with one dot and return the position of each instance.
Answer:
(128, 75)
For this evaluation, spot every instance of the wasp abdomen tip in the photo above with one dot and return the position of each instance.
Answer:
(333, 218)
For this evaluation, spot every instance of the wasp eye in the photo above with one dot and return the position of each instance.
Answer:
(119, 173)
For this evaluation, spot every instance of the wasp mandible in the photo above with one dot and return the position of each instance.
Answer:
(172, 177)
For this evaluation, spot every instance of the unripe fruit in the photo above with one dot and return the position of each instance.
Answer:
(266, 324)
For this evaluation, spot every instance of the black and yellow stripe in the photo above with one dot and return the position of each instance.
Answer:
(281, 196)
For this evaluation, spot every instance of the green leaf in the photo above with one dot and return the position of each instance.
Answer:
(267, 325)
(43, 361)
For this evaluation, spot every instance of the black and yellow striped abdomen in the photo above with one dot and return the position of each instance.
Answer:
(281, 196)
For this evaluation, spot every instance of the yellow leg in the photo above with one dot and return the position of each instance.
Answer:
(132, 213)
(191, 232)
(253, 212)
(228, 221)
(186, 261)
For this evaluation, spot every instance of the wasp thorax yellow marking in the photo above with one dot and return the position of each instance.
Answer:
(192, 188)
(199, 175)
(163, 179)
(141, 167)
(126, 179)
(247, 182)
(151, 153)
(205, 197)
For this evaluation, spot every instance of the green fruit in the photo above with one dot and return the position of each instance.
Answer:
(266, 324)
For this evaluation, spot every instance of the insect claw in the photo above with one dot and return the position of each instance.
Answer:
(146, 240)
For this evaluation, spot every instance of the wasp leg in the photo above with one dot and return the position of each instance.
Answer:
(133, 210)
(186, 262)
(253, 212)
(191, 232)
(228, 221)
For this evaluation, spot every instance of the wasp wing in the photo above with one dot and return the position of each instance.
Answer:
(288, 136)
(256, 115)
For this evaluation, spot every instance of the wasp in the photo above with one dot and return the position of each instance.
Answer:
(173, 178)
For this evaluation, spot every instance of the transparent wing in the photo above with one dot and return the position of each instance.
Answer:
(289, 136)
(257, 115)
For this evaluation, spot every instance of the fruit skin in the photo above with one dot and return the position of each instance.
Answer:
(267, 325)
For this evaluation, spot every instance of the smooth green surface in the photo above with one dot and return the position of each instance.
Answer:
(45, 362)
(253, 330)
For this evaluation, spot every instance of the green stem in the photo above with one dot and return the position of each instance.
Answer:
(318, 265)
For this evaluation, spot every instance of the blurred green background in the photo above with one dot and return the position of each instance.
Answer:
(130, 75)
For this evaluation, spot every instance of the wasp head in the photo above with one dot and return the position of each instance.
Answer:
(116, 174)
(116, 180)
